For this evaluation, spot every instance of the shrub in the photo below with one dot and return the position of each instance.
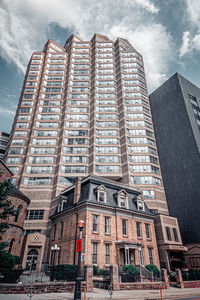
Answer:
(7, 260)
(131, 269)
(64, 272)
(104, 272)
(10, 275)
(172, 276)
(95, 270)
(154, 269)
(193, 274)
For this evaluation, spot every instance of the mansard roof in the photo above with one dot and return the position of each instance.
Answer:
(88, 194)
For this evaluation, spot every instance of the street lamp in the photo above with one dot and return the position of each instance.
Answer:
(53, 250)
(77, 292)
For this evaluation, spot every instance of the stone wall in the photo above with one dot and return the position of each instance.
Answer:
(49, 287)
(191, 284)
(141, 285)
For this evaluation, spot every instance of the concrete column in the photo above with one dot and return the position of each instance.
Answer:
(126, 253)
(165, 278)
(114, 277)
(179, 279)
(89, 277)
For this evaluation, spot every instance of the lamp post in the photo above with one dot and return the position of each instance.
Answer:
(53, 249)
(77, 292)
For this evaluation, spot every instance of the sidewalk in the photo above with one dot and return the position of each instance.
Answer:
(100, 294)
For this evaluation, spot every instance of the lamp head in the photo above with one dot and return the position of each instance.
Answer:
(81, 224)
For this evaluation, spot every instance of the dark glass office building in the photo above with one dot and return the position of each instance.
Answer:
(175, 108)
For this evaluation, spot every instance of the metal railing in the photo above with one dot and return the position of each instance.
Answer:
(125, 276)
(146, 274)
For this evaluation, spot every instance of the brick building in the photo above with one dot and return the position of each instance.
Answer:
(119, 227)
(13, 236)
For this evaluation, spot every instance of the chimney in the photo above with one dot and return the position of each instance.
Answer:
(77, 189)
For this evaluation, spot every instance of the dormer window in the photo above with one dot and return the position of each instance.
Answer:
(140, 203)
(102, 197)
(122, 199)
(101, 193)
(61, 205)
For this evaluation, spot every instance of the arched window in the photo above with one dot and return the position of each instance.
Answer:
(31, 261)
(11, 246)
(17, 214)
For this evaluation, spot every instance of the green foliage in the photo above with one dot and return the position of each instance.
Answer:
(7, 260)
(6, 208)
(97, 271)
(104, 272)
(172, 276)
(63, 272)
(10, 275)
(131, 269)
(154, 269)
(191, 275)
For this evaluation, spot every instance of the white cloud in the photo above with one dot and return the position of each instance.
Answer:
(24, 28)
(148, 5)
(185, 47)
(156, 46)
(193, 11)
(191, 38)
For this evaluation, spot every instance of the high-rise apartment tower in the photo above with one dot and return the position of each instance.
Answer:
(83, 110)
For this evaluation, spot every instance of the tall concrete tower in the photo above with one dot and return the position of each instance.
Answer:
(83, 109)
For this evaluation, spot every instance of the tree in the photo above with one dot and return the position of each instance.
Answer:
(6, 209)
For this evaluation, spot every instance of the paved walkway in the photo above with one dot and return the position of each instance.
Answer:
(100, 294)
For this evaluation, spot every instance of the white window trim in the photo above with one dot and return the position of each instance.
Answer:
(101, 189)
(122, 195)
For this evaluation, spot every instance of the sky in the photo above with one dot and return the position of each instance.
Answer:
(165, 32)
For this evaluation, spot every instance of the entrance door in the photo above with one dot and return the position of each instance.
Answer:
(132, 256)
(31, 261)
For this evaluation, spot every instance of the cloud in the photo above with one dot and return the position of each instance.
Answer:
(24, 28)
(156, 46)
(191, 37)
(148, 5)
(185, 47)
(5, 111)
(193, 11)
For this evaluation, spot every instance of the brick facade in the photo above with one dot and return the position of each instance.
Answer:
(13, 236)
(171, 249)
(123, 247)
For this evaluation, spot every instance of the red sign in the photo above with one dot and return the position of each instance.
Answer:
(78, 245)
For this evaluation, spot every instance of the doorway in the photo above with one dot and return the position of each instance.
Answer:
(31, 261)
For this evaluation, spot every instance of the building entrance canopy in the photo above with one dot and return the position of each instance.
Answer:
(127, 253)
